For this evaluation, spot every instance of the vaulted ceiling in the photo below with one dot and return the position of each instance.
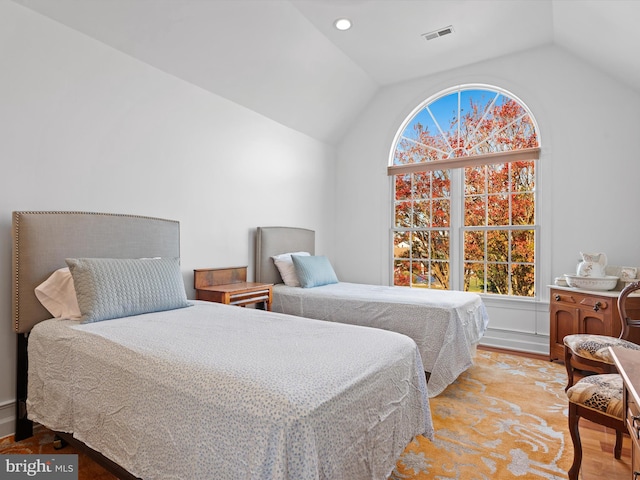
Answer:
(286, 61)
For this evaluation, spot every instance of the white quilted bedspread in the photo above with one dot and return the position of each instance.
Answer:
(219, 392)
(446, 325)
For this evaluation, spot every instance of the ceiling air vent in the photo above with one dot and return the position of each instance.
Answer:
(438, 33)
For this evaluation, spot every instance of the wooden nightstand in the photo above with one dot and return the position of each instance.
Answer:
(230, 286)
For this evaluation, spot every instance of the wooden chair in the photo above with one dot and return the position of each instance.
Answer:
(597, 398)
(591, 352)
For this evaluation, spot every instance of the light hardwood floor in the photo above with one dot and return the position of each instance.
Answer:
(597, 458)
(598, 462)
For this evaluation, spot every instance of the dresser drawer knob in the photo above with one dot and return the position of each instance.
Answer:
(636, 475)
(597, 306)
(635, 421)
(557, 298)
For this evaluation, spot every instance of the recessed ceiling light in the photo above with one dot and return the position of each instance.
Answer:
(342, 24)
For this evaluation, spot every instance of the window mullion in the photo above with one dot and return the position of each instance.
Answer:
(456, 254)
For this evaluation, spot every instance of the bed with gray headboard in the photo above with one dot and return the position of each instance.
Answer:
(41, 243)
(191, 389)
(446, 325)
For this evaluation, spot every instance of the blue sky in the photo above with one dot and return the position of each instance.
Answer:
(445, 109)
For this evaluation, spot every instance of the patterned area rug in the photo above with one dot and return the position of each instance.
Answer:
(505, 418)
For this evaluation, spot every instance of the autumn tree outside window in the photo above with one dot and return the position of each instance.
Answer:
(464, 170)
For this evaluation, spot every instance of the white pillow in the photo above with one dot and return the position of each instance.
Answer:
(58, 295)
(286, 268)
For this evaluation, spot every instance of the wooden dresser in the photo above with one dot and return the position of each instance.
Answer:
(582, 311)
(628, 363)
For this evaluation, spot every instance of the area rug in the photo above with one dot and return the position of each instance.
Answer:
(504, 418)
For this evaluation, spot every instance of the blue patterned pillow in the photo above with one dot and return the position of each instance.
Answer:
(314, 270)
(109, 288)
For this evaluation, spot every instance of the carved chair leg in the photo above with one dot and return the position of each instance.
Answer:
(574, 418)
(569, 367)
(617, 450)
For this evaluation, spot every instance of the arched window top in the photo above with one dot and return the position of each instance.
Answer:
(464, 126)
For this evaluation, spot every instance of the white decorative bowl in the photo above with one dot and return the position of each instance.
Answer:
(608, 282)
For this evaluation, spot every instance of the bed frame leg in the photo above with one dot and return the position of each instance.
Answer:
(59, 443)
(24, 426)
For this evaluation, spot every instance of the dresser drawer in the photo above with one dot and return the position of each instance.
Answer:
(633, 420)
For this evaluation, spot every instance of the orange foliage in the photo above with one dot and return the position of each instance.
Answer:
(498, 200)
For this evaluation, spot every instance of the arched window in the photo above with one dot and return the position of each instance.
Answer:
(464, 169)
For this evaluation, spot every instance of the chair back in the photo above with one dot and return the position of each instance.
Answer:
(627, 322)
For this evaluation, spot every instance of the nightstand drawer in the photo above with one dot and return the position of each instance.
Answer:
(245, 298)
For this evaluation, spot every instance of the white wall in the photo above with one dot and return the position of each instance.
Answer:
(588, 184)
(85, 127)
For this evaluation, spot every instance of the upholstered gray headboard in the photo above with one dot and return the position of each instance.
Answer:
(43, 240)
(276, 240)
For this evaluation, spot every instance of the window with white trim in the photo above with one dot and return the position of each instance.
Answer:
(464, 171)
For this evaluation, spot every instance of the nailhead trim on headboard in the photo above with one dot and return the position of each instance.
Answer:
(16, 254)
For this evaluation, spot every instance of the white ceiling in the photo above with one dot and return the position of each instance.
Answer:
(283, 58)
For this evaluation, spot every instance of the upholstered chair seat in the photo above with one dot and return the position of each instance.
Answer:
(596, 347)
(597, 398)
(602, 393)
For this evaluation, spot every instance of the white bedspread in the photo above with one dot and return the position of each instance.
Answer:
(214, 391)
(446, 325)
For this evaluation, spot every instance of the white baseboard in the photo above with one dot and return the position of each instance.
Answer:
(7, 419)
(517, 341)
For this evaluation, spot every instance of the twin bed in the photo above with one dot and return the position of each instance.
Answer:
(446, 325)
(187, 389)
